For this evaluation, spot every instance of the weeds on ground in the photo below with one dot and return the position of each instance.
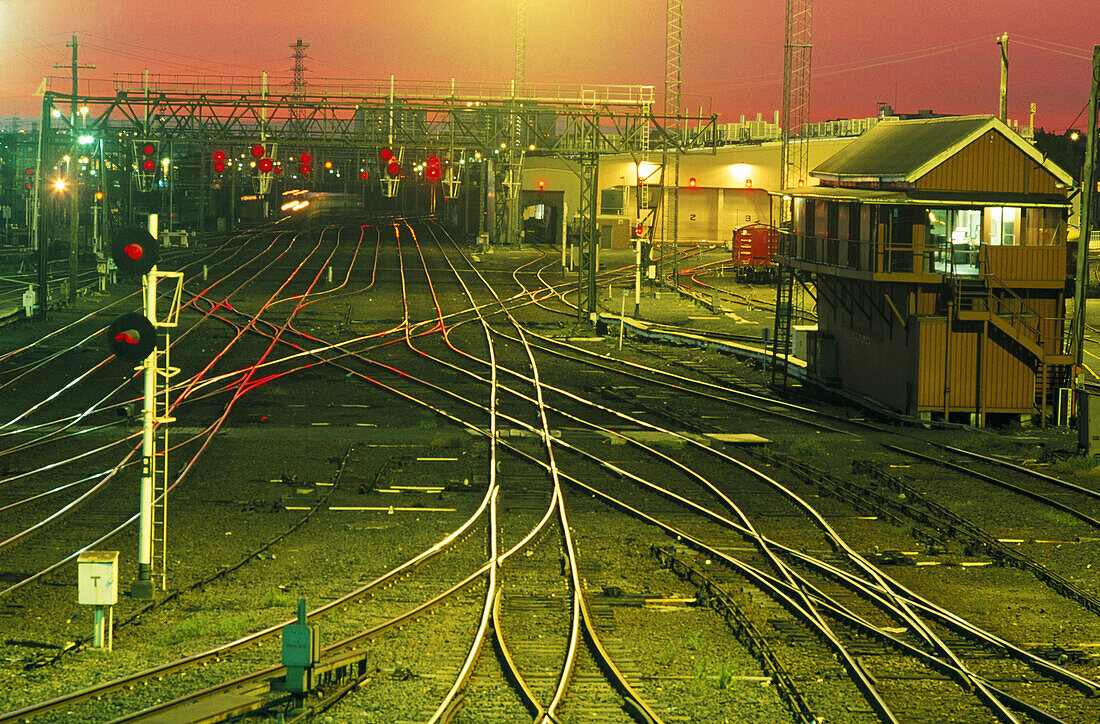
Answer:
(1077, 466)
(277, 598)
(1056, 517)
(726, 673)
(987, 444)
(205, 625)
(701, 674)
(806, 447)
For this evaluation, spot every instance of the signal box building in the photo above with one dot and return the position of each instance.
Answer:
(938, 250)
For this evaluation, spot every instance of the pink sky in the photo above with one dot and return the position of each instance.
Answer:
(916, 54)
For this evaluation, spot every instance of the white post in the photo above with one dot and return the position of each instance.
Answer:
(637, 277)
(622, 318)
(564, 227)
(143, 587)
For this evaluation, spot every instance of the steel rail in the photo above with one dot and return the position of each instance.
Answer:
(638, 707)
(965, 678)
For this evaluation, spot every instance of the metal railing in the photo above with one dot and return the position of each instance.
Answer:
(443, 90)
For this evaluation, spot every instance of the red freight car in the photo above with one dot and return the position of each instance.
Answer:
(754, 247)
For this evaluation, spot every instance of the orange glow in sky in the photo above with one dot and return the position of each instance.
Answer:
(919, 54)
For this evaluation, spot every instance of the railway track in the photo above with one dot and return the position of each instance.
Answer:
(590, 539)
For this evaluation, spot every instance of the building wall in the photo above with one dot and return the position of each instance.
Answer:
(875, 350)
(991, 164)
(731, 185)
(981, 373)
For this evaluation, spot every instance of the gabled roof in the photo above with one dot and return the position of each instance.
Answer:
(903, 151)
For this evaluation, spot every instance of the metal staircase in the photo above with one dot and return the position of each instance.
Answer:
(988, 299)
(781, 334)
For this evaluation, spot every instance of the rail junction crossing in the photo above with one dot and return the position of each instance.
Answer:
(348, 122)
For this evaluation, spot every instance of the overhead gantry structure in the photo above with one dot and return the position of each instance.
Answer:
(355, 118)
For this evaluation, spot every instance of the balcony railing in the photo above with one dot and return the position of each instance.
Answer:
(850, 254)
(1010, 263)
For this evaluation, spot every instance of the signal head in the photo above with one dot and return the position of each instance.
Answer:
(134, 251)
(131, 337)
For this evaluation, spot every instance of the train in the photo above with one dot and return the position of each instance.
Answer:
(304, 205)
(754, 247)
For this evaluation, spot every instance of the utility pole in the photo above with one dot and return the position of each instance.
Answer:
(41, 243)
(74, 172)
(1088, 191)
(1003, 112)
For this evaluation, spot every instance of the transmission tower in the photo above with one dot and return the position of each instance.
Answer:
(521, 43)
(794, 162)
(674, 44)
(299, 49)
(796, 93)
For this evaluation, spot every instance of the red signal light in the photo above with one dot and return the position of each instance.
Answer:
(30, 171)
(542, 184)
(257, 151)
(219, 166)
(304, 169)
(265, 165)
(131, 337)
(305, 158)
(149, 149)
(385, 154)
(639, 230)
(149, 165)
(364, 175)
(393, 169)
(278, 169)
(433, 172)
(134, 251)
(691, 182)
(219, 155)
